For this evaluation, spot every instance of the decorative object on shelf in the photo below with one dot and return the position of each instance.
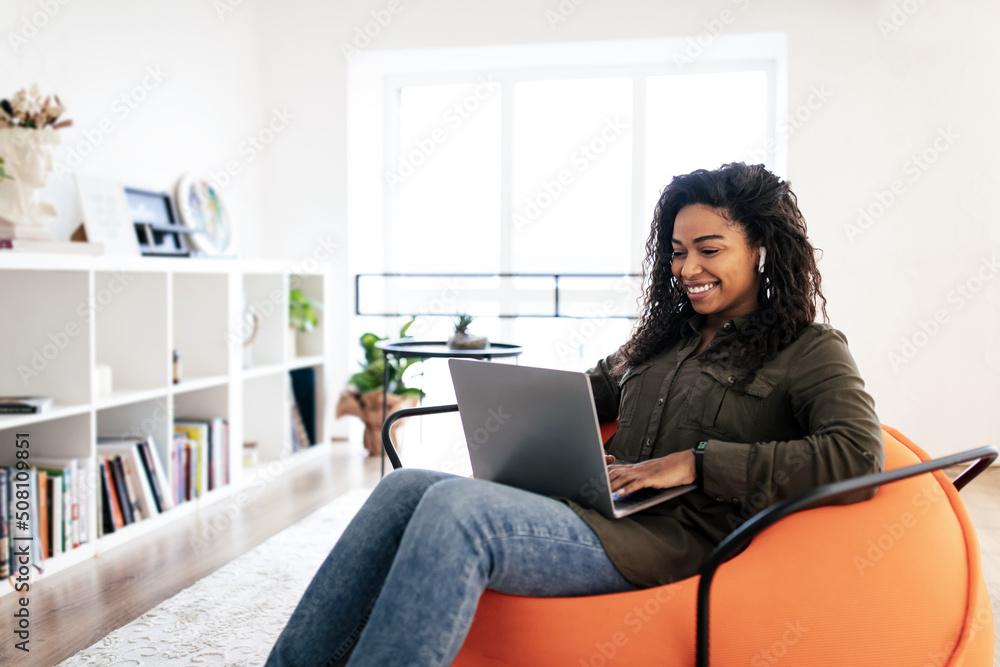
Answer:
(364, 395)
(302, 316)
(176, 366)
(201, 210)
(103, 380)
(28, 137)
(463, 340)
(248, 329)
(156, 227)
(251, 456)
(106, 218)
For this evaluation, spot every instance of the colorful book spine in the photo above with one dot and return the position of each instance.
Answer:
(4, 526)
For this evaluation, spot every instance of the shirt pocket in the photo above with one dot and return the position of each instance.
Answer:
(716, 406)
(631, 388)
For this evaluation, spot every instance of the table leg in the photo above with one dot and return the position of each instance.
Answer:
(385, 410)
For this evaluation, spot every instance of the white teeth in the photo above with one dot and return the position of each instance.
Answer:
(699, 290)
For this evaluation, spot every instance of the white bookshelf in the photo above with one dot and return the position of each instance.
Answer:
(62, 316)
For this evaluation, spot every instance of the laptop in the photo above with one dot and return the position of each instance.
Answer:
(536, 429)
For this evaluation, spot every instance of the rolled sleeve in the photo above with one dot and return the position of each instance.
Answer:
(829, 402)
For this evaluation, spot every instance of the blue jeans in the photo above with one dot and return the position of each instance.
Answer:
(402, 584)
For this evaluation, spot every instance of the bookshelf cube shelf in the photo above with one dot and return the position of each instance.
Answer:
(67, 317)
(46, 335)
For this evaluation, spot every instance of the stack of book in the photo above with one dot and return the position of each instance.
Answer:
(46, 505)
(133, 482)
(199, 457)
(24, 405)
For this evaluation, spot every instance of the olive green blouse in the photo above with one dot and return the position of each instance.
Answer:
(804, 420)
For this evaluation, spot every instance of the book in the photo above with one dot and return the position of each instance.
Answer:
(118, 479)
(43, 513)
(33, 245)
(198, 432)
(4, 526)
(108, 519)
(20, 405)
(117, 520)
(137, 481)
(304, 390)
(56, 514)
(158, 479)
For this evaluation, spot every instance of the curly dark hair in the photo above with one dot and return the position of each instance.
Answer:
(766, 210)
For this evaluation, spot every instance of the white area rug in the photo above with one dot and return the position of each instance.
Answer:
(234, 615)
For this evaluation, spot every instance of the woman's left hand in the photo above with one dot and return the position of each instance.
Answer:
(674, 469)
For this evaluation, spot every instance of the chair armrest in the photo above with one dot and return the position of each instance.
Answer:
(983, 457)
(387, 443)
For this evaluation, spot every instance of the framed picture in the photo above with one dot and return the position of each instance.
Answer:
(156, 226)
(201, 210)
(106, 217)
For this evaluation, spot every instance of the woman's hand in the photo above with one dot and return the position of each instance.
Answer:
(674, 469)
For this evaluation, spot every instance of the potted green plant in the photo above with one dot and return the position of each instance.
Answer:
(302, 316)
(365, 390)
(463, 340)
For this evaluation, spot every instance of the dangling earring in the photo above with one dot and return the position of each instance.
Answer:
(760, 264)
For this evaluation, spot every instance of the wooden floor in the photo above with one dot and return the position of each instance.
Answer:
(74, 609)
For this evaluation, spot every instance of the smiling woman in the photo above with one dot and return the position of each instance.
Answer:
(726, 382)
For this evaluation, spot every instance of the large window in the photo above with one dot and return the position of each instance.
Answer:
(542, 159)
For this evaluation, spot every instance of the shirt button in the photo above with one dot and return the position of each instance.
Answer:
(648, 442)
(736, 501)
(727, 326)
(659, 401)
(731, 379)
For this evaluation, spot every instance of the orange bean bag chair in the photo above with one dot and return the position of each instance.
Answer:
(893, 581)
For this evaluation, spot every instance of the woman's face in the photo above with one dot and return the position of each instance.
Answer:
(714, 264)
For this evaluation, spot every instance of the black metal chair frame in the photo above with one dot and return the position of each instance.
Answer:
(981, 457)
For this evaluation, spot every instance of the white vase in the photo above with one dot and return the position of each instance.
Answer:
(28, 160)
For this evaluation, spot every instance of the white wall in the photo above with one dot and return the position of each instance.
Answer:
(890, 96)
(192, 117)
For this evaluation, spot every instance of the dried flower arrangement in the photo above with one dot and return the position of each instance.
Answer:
(27, 109)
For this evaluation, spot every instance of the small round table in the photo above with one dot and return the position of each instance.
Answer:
(427, 349)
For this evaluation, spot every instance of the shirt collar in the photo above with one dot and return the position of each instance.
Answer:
(692, 326)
